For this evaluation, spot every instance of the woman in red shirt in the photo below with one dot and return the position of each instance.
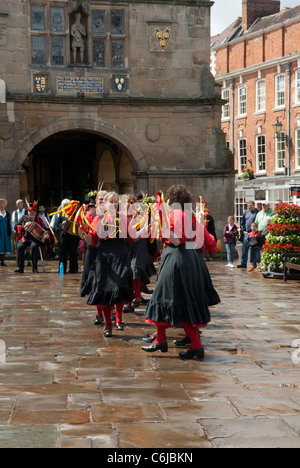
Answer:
(181, 297)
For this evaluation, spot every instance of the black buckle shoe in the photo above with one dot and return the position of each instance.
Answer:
(163, 347)
(19, 270)
(150, 339)
(108, 333)
(119, 326)
(184, 342)
(193, 353)
(99, 320)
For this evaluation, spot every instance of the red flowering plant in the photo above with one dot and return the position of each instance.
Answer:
(247, 173)
(283, 237)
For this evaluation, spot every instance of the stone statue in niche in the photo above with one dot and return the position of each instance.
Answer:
(78, 32)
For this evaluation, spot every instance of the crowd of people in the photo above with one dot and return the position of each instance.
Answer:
(117, 268)
(252, 234)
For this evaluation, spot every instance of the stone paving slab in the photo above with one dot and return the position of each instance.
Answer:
(63, 385)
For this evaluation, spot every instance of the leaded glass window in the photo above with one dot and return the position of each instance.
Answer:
(98, 22)
(117, 22)
(99, 53)
(117, 53)
(37, 14)
(38, 50)
(57, 20)
(57, 51)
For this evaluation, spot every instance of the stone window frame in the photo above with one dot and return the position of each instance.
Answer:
(47, 33)
(109, 37)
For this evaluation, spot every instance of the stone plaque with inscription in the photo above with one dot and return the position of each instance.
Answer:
(75, 85)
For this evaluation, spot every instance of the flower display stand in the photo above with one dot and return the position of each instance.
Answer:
(281, 252)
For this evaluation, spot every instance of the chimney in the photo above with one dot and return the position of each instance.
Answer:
(253, 9)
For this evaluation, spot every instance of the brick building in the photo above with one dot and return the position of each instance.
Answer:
(96, 90)
(256, 61)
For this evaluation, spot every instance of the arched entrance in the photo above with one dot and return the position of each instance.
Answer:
(72, 162)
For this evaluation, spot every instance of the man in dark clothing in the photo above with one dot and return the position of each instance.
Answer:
(248, 218)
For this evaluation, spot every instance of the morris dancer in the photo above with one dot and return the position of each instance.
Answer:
(180, 297)
(25, 239)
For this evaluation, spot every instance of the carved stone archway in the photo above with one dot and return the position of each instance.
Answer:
(100, 127)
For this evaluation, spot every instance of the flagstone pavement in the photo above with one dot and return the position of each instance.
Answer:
(62, 384)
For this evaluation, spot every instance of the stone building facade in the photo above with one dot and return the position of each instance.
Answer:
(256, 61)
(119, 92)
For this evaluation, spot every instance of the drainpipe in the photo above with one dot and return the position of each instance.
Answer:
(288, 67)
(232, 115)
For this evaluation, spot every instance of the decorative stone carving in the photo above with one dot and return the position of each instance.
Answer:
(152, 132)
(73, 5)
(78, 32)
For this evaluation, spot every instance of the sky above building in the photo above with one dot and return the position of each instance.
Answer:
(224, 12)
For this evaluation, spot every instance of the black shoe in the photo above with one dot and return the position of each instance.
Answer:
(3, 264)
(150, 339)
(35, 270)
(142, 300)
(108, 332)
(145, 290)
(135, 303)
(127, 309)
(99, 320)
(242, 266)
(193, 353)
(19, 270)
(120, 326)
(184, 342)
(163, 347)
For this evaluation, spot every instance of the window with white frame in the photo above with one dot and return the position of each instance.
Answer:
(242, 152)
(297, 87)
(260, 95)
(280, 151)
(297, 152)
(242, 100)
(280, 90)
(226, 107)
(261, 153)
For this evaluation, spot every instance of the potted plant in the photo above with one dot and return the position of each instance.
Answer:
(283, 237)
(247, 174)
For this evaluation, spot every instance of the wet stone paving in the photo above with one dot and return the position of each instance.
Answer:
(63, 385)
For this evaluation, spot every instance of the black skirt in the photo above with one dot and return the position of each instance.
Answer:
(88, 271)
(112, 281)
(184, 290)
(141, 264)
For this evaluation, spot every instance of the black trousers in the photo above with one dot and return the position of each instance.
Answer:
(22, 247)
(68, 247)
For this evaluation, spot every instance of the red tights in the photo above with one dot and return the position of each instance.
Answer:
(137, 288)
(191, 332)
(107, 311)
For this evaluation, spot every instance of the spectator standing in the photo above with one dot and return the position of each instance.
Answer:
(255, 242)
(230, 233)
(263, 218)
(5, 231)
(247, 219)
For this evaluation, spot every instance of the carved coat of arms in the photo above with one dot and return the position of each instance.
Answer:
(40, 83)
(119, 82)
(163, 37)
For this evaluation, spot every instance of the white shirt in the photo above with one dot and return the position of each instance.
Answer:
(15, 218)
